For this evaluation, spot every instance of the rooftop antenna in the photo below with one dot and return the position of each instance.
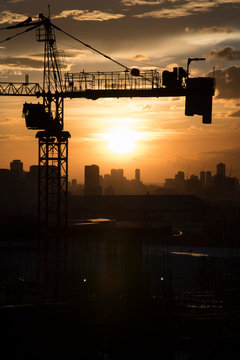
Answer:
(49, 11)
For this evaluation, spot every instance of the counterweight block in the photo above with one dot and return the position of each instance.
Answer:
(199, 98)
(38, 118)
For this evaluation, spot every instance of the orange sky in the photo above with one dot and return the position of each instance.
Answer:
(160, 139)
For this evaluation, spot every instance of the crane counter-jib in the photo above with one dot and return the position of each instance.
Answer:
(20, 89)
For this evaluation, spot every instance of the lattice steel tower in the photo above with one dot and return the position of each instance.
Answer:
(53, 141)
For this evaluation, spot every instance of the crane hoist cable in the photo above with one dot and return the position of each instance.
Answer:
(27, 22)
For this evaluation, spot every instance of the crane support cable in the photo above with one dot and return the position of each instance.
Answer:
(97, 51)
(25, 23)
(20, 33)
(92, 48)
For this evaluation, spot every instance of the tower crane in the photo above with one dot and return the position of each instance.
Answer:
(47, 117)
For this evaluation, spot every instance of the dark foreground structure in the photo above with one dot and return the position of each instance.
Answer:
(127, 289)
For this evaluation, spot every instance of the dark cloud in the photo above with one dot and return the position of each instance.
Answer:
(139, 57)
(15, 1)
(235, 114)
(227, 82)
(226, 53)
(21, 62)
(216, 29)
(223, 153)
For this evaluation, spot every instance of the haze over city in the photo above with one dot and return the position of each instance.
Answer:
(150, 133)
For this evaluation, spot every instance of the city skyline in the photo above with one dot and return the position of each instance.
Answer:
(148, 133)
(19, 164)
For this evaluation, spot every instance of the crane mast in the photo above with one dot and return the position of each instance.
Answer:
(52, 140)
(52, 77)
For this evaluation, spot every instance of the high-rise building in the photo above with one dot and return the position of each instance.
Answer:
(33, 170)
(117, 174)
(179, 180)
(74, 182)
(91, 185)
(17, 166)
(221, 170)
(137, 175)
(203, 178)
(209, 179)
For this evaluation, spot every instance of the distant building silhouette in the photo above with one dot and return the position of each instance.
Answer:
(179, 180)
(17, 166)
(74, 182)
(221, 170)
(169, 183)
(209, 179)
(203, 179)
(33, 170)
(92, 184)
(74, 188)
(117, 174)
(116, 183)
(137, 175)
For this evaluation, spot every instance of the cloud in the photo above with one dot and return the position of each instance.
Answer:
(21, 62)
(141, 2)
(147, 107)
(15, 1)
(227, 82)
(13, 137)
(188, 29)
(226, 53)
(7, 16)
(86, 15)
(6, 121)
(4, 137)
(68, 53)
(215, 29)
(187, 8)
(139, 57)
(234, 152)
(211, 30)
(235, 114)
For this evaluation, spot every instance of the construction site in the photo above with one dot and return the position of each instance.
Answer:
(112, 278)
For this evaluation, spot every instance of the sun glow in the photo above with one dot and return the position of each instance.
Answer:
(122, 140)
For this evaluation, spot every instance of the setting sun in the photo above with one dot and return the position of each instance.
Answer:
(122, 141)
